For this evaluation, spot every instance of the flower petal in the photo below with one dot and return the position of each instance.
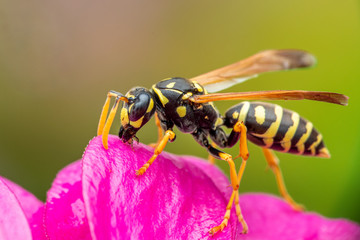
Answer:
(29, 203)
(32, 207)
(181, 198)
(64, 212)
(175, 199)
(269, 217)
(13, 222)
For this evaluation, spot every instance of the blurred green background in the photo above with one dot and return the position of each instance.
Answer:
(58, 59)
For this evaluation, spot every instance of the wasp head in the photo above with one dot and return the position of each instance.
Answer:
(136, 112)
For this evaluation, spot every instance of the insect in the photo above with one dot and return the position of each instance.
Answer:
(187, 105)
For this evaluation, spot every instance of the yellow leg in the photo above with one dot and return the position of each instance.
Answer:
(244, 152)
(235, 185)
(211, 159)
(169, 135)
(239, 214)
(235, 194)
(224, 223)
(237, 203)
(273, 163)
(160, 132)
(104, 125)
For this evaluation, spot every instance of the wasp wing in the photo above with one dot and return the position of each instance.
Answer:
(266, 61)
(274, 95)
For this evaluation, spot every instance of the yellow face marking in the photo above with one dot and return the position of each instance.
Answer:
(244, 111)
(198, 87)
(162, 98)
(235, 115)
(130, 107)
(206, 117)
(260, 114)
(306, 135)
(151, 105)
(137, 123)
(181, 111)
(187, 95)
(291, 131)
(271, 132)
(171, 85)
(219, 122)
(128, 95)
(124, 117)
(268, 142)
(314, 145)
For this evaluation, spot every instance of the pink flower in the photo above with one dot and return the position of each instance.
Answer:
(100, 197)
(20, 213)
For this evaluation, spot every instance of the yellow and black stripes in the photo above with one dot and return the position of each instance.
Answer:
(271, 126)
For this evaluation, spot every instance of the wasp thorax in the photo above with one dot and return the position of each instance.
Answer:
(136, 112)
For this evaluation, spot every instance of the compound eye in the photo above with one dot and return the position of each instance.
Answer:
(139, 107)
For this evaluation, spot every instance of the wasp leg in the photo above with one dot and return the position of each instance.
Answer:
(160, 132)
(239, 132)
(237, 202)
(201, 138)
(241, 128)
(244, 154)
(169, 135)
(235, 194)
(104, 125)
(273, 163)
(211, 158)
(239, 214)
(224, 223)
(235, 186)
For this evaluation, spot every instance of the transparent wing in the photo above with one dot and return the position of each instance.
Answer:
(274, 95)
(266, 61)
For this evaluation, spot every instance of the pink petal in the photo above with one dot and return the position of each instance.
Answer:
(269, 217)
(175, 199)
(13, 222)
(64, 212)
(32, 207)
(29, 203)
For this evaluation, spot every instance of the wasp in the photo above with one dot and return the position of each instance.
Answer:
(188, 105)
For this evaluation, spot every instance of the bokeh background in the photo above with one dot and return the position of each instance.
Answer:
(58, 59)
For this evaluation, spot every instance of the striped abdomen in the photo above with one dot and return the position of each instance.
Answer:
(271, 126)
